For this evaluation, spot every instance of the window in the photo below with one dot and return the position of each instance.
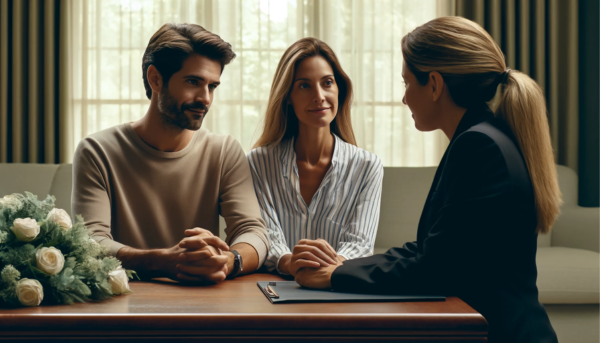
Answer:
(110, 36)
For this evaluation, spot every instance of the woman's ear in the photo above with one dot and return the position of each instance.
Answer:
(437, 82)
(154, 79)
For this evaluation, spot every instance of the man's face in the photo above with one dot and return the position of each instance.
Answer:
(184, 101)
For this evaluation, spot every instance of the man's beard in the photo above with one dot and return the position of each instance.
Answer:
(174, 116)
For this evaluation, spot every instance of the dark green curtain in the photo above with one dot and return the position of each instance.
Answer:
(589, 104)
(542, 38)
(30, 81)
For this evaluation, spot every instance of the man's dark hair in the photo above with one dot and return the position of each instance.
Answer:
(174, 43)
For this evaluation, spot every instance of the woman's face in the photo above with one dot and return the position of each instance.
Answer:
(314, 94)
(419, 99)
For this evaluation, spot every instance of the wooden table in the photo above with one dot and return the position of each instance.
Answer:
(237, 310)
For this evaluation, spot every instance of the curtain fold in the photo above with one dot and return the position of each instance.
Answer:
(29, 89)
(589, 103)
(4, 16)
(540, 38)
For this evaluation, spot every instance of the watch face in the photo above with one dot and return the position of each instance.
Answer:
(241, 262)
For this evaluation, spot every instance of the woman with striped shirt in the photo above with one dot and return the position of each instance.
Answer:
(319, 193)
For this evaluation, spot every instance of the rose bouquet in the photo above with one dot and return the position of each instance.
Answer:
(43, 253)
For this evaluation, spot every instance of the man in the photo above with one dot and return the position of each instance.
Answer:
(142, 187)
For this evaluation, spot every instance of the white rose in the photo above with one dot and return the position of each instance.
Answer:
(9, 200)
(25, 229)
(30, 292)
(60, 217)
(50, 260)
(119, 281)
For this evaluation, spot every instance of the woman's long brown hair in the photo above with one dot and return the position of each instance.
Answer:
(280, 121)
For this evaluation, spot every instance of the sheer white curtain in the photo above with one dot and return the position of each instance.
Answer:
(109, 38)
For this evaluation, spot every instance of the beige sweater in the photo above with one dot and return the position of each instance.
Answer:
(132, 194)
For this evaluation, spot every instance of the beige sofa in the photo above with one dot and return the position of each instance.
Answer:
(568, 259)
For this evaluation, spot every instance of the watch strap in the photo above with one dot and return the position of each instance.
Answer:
(237, 264)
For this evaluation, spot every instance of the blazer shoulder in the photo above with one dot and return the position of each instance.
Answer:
(497, 131)
(492, 145)
(502, 136)
(490, 137)
(474, 143)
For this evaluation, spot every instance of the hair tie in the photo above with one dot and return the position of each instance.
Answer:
(504, 76)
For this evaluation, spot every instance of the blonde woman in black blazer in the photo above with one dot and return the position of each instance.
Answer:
(495, 188)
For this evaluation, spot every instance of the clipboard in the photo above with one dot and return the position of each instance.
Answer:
(282, 292)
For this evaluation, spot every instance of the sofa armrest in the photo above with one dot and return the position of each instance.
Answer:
(577, 227)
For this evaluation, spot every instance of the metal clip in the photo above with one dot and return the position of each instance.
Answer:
(271, 292)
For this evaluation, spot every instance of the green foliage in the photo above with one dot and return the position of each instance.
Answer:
(85, 273)
(8, 284)
(18, 256)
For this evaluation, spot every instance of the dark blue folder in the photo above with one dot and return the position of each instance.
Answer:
(291, 292)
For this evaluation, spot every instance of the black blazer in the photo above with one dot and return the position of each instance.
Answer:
(476, 237)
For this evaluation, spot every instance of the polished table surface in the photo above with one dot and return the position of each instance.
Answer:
(237, 310)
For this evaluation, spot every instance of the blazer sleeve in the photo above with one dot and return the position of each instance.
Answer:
(460, 240)
(409, 249)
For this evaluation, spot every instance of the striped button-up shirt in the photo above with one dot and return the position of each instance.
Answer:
(344, 211)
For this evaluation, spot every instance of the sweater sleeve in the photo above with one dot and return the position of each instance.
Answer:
(238, 204)
(90, 196)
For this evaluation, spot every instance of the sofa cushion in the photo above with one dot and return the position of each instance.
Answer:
(21, 177)
(544, 240)
(568, 276)
(403, 195)
(61, 187)
(577, 227)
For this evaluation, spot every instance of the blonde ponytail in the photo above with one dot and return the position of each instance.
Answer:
(473, 65)
(523, 107)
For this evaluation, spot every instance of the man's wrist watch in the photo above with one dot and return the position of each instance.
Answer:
(238, 264)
